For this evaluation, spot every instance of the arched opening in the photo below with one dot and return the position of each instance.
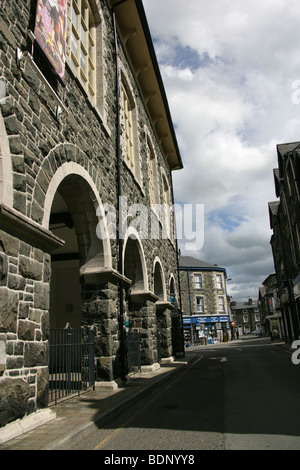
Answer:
(73, 219)
(158, 282)
(133, 264)
(65, 290)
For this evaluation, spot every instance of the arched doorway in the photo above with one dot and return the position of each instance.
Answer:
(65, 289)
(75, 333)
(73, 219)
(141, 308)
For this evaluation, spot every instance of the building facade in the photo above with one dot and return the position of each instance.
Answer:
(284, 221)
(205, 309)
(269, 307)
(87, 151)
(246, 316)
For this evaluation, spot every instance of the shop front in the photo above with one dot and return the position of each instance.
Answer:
(204, 329)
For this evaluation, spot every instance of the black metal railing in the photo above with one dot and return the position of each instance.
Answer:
(134, 352)
(71, 362)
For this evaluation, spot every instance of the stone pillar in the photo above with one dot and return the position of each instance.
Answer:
(164, 326)
(100, 310)
(142, 318)
(24, 314)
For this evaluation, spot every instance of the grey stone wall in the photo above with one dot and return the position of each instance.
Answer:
(39, 146)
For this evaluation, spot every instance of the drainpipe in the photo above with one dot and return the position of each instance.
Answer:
(119, 194)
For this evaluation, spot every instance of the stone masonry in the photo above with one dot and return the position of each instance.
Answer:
(74, 157)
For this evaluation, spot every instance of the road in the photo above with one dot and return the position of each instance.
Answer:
(234, 396)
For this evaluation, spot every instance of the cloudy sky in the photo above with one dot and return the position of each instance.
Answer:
(231, 71)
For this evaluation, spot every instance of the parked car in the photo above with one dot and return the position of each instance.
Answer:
(256, 332)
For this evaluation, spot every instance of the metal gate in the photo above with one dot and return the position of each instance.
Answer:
(71, 362)
(134, 352)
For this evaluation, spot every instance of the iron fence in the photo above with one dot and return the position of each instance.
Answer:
(134, 352)
(71, 362)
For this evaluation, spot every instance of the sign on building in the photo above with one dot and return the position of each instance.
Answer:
(50, 32)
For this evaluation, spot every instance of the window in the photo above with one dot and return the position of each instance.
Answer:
(219, 281)
(167, 216)
(221, 304)
(126, 111)
(83, 44)
(257, 317)
(199, 304)
(153, 184)
(245, 318)
(198, 281)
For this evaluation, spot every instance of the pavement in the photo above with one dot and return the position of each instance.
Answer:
(73, 419)
(60, 426)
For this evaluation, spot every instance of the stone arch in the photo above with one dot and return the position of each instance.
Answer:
(134, 263)
(82, 197)
(172, 286)
(72, 211)
(6, 184)
(159, 280)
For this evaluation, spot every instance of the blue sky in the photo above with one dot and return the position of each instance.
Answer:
(229, 68)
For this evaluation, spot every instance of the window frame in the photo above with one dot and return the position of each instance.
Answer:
(199, 304)
(221, 301)
(153, 175)
(219, 282)
(83, 44)
(128, 127)
(198, 282)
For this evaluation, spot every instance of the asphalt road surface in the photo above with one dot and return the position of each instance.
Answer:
(235, 396)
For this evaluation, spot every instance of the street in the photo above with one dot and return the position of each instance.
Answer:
(242, 395)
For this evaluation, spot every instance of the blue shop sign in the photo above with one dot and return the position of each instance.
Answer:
(204, 319)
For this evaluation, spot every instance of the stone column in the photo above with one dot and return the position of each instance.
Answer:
(142, 318)
(24, 314)
(100, 310)
(164, 326)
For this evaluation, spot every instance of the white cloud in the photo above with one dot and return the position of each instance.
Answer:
(229, 69)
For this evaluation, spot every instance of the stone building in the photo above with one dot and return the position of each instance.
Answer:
(269, 307)
(87, 151)
(284, 221)
(246, 316)
(205, 312)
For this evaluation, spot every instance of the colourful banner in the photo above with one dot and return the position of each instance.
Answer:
(50, 32)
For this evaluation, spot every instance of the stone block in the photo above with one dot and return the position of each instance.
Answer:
(30, 269)
(8, 310)
(41, 295)
(26, 330)
(3, 269)
(36, 354)
(14, 396)
(42, 388)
